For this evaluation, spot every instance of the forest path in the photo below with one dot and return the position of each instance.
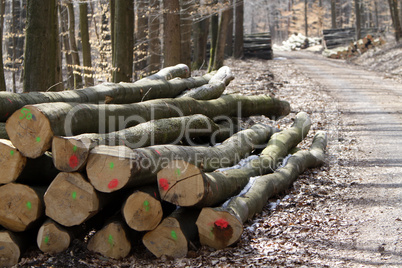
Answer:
(371, 109)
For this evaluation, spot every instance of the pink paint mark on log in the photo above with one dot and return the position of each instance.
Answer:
(158, 152)
(9, 100)
(222, 223)
(113, 184)
(164, 184)
(73, 162)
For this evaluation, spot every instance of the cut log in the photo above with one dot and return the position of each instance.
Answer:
(143, 211)
(214, 88)
(3, 132)
(32, 128)
(11, 162)
(21, 206)
(112, 168)
(111, 241)
(71, 153)
(11, 248)
(222, 226)
(145, 89)
(70, 200)
(186, 185)
(53, 238)
(172, 236)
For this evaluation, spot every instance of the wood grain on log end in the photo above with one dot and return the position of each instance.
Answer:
(218, 228)
(167, 239)
(111, 241)
(20, 206)
(52, 238)
(142, 211)
(109, 168)
(30, 131)
(70, 199)
(12, 162)
(69, 154)
(9, 250)
(181, 183)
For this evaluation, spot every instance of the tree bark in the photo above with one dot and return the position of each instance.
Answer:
(172, 236)
(71, 153)
(123, 41)
(221, 40)
(44, 121)
(172, 32)
(22, 206)
(200, 39)
(222, 226)
(73, 45)
(393, 5)
(41, 70)
(214, 38)
(2, 12)
(238, 42)
(63, 13)
(151, 87)
(140, 166)
(186, 185)
(86, 47)
(333, 14)
(229, 34)
(186, 23)
(141, 48)
(306, 18)
(154, 40)
(214, 88)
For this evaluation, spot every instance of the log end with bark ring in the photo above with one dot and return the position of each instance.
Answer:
(109, 168)
(70, 199)
(142, 212)
(12, 162)
(30, 131)
(181, 183)
(167, 239)
(20, 207)
(10, 251)
(69, 154)
(218, 228)
(111, 241)
(52, 238)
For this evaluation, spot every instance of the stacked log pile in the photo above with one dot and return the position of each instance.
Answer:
(123, 169)
(297, 42)
(334, 38)
(355, 48)
(258, 45)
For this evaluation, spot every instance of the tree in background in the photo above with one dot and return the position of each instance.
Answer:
(238, 40)
(393, 6)
(154, 44)
(186, 23)
(141, 35)
(86, 47)
(123, 41)
(63, 14)
(73, 45)
(222, 37)
(42, 50)
(171, 32)
(2, 79)
(200, 39)
(214, 37)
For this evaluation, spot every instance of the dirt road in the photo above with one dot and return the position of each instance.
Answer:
(370, 106)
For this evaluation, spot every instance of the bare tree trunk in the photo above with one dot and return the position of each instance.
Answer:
(185, 27)
(393, 5)
(171, 32)
(229, 35)
(214, 39)
(358, 19)
(154, 63)
(86, 47)
(238, 43)
(140, 50)
(123, 41)
(2, 79)
(63, 11)
(73, 45)
(333, 14)
(306, 17)
(221, 41)
(112, 6)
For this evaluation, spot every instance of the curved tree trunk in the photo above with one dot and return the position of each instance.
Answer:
(44, 121)
(186, 185)
(222, 226)
(113, 168)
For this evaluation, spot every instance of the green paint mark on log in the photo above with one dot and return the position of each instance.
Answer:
(11, 152)
(46, 240)
(174, 235)
(110, 240)
(74, 195)
(74, 148)
(37, 139)
(178, 172)
(146, 205)
(111, 165)
(29, 205)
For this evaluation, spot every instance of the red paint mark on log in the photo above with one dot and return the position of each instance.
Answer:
(73, 161)
(9, 100)
(158, 152)
(222, 223)
(113, 184)
(164, 184)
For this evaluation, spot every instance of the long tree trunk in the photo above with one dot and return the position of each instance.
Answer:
(229, 35)
(200, 38)
(184, 184)
(333, 14)
(221, 41)
(186, 23)
(239, 15)
(306, 18)
(73, 44)
(112, 6)
(2, 12)
(222, 226)
(214, 39)
(63, 11)
(86, 47)
(154, 40)
(140, 166)
(71, 153)
(68, 119)
(41, 70)
(393, 5)
(123, 41)
(141, 38)
(172, 32)
(151, 87)
(358, 19)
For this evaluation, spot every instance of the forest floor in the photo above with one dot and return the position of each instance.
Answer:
(347, 213)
